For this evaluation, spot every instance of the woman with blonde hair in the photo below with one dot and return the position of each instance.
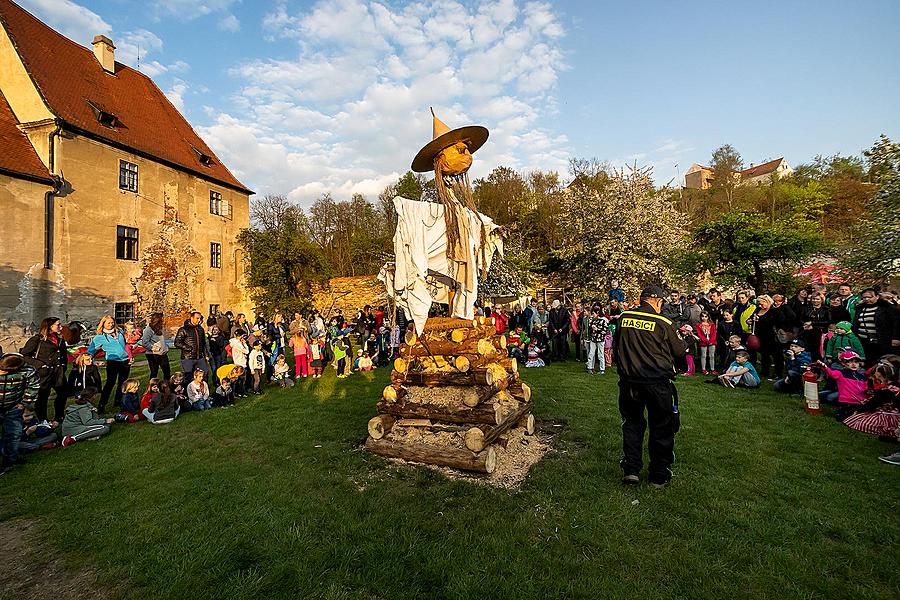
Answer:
(110, 339)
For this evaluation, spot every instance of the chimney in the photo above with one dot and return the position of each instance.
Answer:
(105, 53)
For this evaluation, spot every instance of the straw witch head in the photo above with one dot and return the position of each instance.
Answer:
(452, 147)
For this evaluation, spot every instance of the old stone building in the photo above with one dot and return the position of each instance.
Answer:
(111, 202)
(700, 177)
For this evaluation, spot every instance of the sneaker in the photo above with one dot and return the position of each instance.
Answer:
(590, 371)
(68, 441)
(727, 382)
(631, 479)
(658, 485)
(120, 418)
(601, 372)
(891, 459)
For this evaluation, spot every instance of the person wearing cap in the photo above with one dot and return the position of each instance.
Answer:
(851, 380)
(645, 347)
(843, 338)
(19, 387)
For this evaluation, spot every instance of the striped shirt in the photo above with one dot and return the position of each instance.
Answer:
(866, 328)
(18, 387)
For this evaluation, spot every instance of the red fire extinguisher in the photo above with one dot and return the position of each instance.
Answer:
(811, 392)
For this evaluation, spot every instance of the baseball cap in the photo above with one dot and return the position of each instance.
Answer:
(652, 291)
(798, 342)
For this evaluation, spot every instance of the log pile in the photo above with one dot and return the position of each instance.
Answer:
(453, 396)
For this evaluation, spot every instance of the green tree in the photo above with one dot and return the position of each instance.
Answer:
(410, 186)
(744, 247)
(876, 250)
(501, 195)
(281, 261)
(726, 163)
(625, 231)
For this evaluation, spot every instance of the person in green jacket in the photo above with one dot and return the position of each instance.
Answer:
(340, 348)
(82, 422)
(843, 338)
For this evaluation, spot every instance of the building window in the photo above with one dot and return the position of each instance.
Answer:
(126, 243)
(128, 176)
(124, 312)
(213, 310)
(215, 255)
(215, 203)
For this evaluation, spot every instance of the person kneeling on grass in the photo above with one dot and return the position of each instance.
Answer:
(796, 359)
(82, 421)
(198, 391)
(741, 373)
(281, 373)
(224, 395)
(163, 407)
(36, 435)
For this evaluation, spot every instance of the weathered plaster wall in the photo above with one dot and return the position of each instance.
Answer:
(17, 86)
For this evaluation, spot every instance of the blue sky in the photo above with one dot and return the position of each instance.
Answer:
(304, 98)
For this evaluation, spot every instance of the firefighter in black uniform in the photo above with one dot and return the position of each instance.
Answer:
(645, 346)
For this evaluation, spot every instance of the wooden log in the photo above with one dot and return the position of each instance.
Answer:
(499, 342)
(410, 337)
(482, 462)
(444, 324)
(527, 423)
(482, 376)
(445, 364)
(392, 394)
(474, 439)
(508, 422)
(510, 364)
(520, 390)
(487, 413)
(401, 365)
(445, 347)
(379, 425)
(413, 423)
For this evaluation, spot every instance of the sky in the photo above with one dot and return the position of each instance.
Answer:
(307, 97)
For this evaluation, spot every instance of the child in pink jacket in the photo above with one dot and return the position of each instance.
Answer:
(850, 379)
(300, 347)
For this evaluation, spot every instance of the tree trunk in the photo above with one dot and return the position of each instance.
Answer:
(483, 462)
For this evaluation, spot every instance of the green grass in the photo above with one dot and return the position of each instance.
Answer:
(273, 498)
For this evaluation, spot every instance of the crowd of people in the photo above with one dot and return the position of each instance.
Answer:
(849, 341)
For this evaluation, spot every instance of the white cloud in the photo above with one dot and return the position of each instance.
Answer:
(349, 111)
(71, 19)
(176, 93)
(191, 9)
(229, 23)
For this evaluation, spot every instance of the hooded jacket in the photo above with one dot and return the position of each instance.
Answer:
(79, 417)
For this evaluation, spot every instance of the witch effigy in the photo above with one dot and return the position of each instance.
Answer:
(455, 398)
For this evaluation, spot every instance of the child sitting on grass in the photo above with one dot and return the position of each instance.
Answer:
(152, 390)
(82, 421)
(282, 372)
(534, 356)
(741, 373)
(179, 389)
(85, 374)
(224, 395)
(163, 407)
(796, 359)
(131, 404)
(364, 363)
(36, 435)
(880, 414)
(198, 392)
(851, 383)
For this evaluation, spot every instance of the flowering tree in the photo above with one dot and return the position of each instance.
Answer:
(626, 230)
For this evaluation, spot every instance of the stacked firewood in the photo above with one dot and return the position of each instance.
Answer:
(454, 396)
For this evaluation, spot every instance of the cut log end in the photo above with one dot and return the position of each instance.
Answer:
(380, 425)
(527, 423)
(401, 365)
(474, 439)
(490, 460)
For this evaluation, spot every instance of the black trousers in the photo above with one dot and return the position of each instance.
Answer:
(157, 362)
(580, 354)
(59, 403)
(658, 400)
(876, 351)
(116, 373)
(561, 346)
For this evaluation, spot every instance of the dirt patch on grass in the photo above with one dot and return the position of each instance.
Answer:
(31, 570)
(513, 462)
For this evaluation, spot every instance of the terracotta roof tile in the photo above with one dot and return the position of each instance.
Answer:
(17, 155)
(70, 79)
(762, 169)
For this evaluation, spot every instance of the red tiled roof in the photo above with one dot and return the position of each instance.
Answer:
(762, 169)
(70, 79)
(17, 155)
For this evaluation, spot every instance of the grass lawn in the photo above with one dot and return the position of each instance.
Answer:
(273, 498)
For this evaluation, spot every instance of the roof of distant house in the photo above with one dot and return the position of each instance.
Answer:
(135, 113)
(763, 169)
(17, 155)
